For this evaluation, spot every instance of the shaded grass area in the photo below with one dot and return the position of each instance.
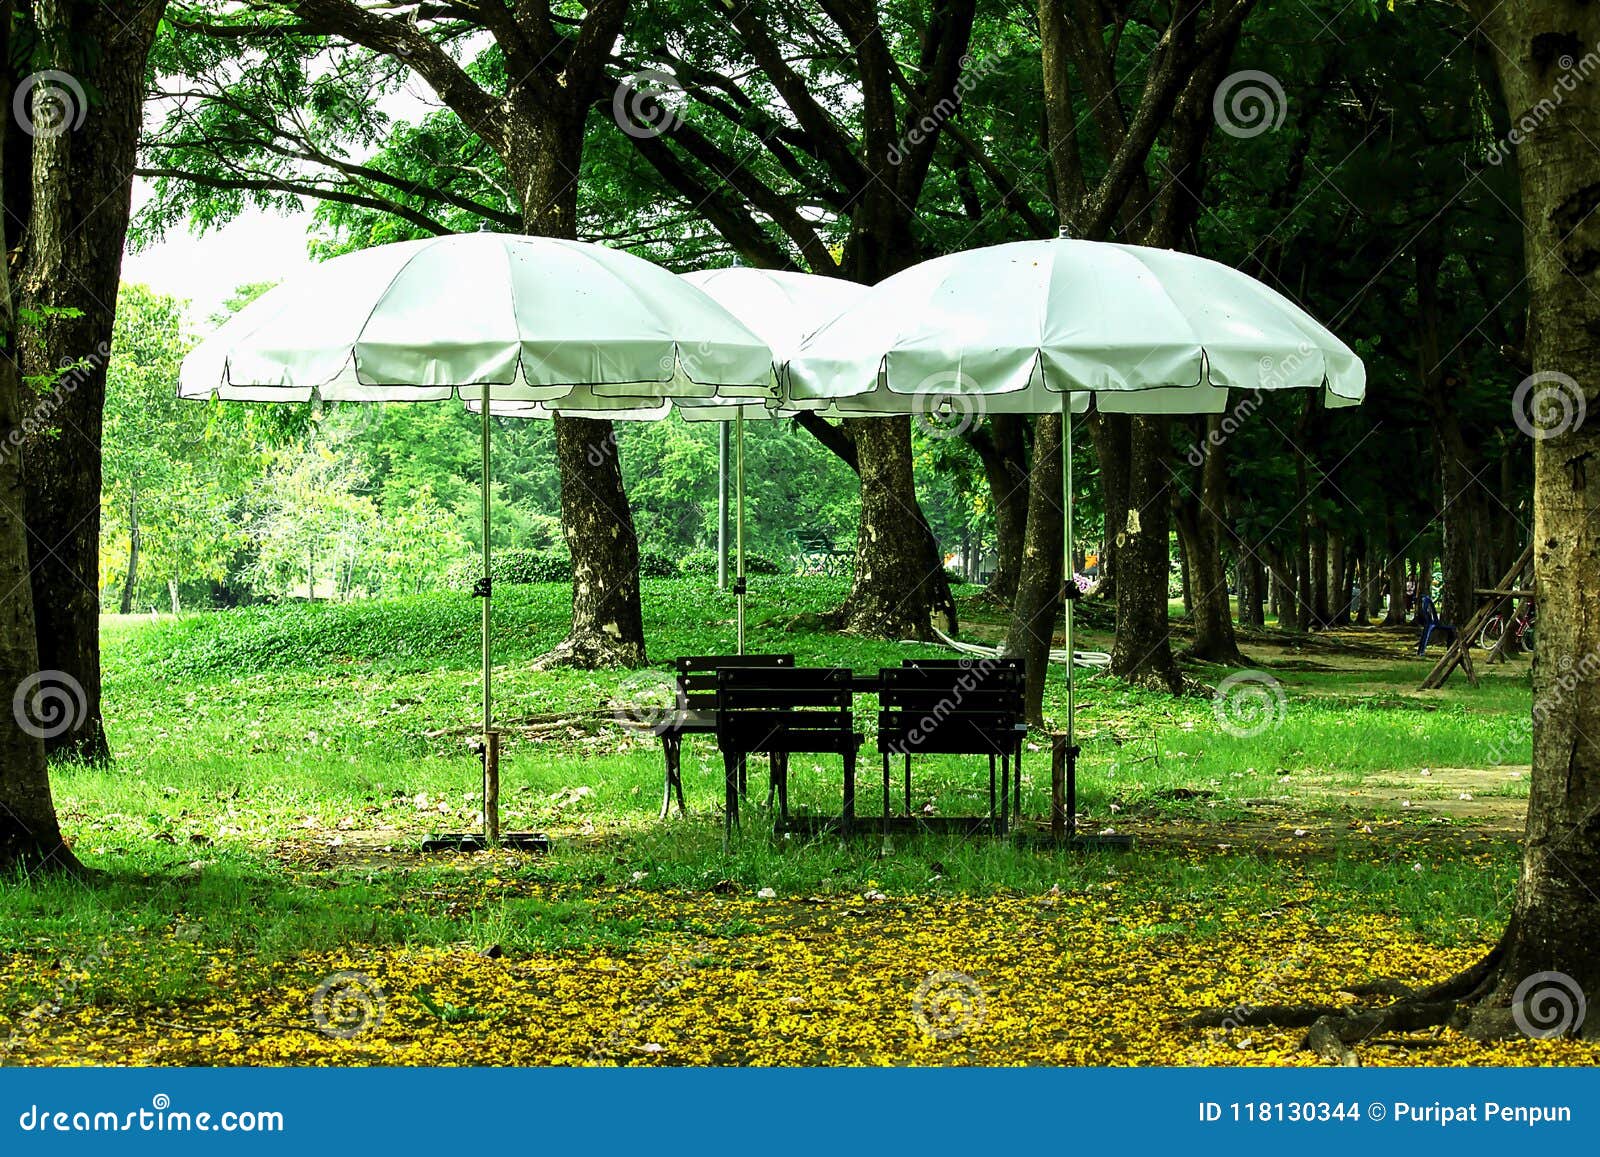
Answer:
(276, 768)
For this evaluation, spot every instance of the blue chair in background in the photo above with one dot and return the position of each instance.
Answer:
(1428, 620)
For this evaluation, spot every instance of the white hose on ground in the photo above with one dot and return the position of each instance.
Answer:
(1097, 660)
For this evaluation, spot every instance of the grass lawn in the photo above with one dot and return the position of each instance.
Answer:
(262, 899)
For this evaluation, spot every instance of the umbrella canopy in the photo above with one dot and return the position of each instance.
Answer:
(780, 307)
(511, 317)
(1145, 330)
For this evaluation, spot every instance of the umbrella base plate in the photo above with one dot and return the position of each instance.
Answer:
(469, 842)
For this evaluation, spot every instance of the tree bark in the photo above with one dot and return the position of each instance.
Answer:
(607, 619)
(1142, 652)
(30, 835)
(1555, 922)
(1038, 599)
(82, 181)
(1338, 581)
(1395, 616)
(1251, 585)
(1214, 640)
(1318, 566)
(899, 584)
(1001, 446)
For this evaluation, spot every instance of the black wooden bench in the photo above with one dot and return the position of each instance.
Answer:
(956, 707)
(785, 711)
(696, 711)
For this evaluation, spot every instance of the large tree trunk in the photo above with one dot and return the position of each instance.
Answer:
(1038, 599)
(1001, 446)
(1143, 649)
(30, 836)
(900, 583)
(607, 620)
(1214, 638)
(1252, 586)
(1395, 616)
(1338, 581)
(607, 615)
(1109, 434)
(1553, 939)
(82, 182)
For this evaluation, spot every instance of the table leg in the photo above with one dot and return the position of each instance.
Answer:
(847, 821)
(991, 793)
(886, 793)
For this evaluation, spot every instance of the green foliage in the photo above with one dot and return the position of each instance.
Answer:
(700, 563)
(655, 565)
(511, 567)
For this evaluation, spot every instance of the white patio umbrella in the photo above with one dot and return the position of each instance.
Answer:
(778, 306)
(492, 317)
(1037, 326)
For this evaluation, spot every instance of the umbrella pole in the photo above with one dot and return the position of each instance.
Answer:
(738, 578)
(491, 738)
(722, 505)
(1070, 594)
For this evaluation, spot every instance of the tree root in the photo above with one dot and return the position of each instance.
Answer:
(591, 652)
(1332, 1031)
